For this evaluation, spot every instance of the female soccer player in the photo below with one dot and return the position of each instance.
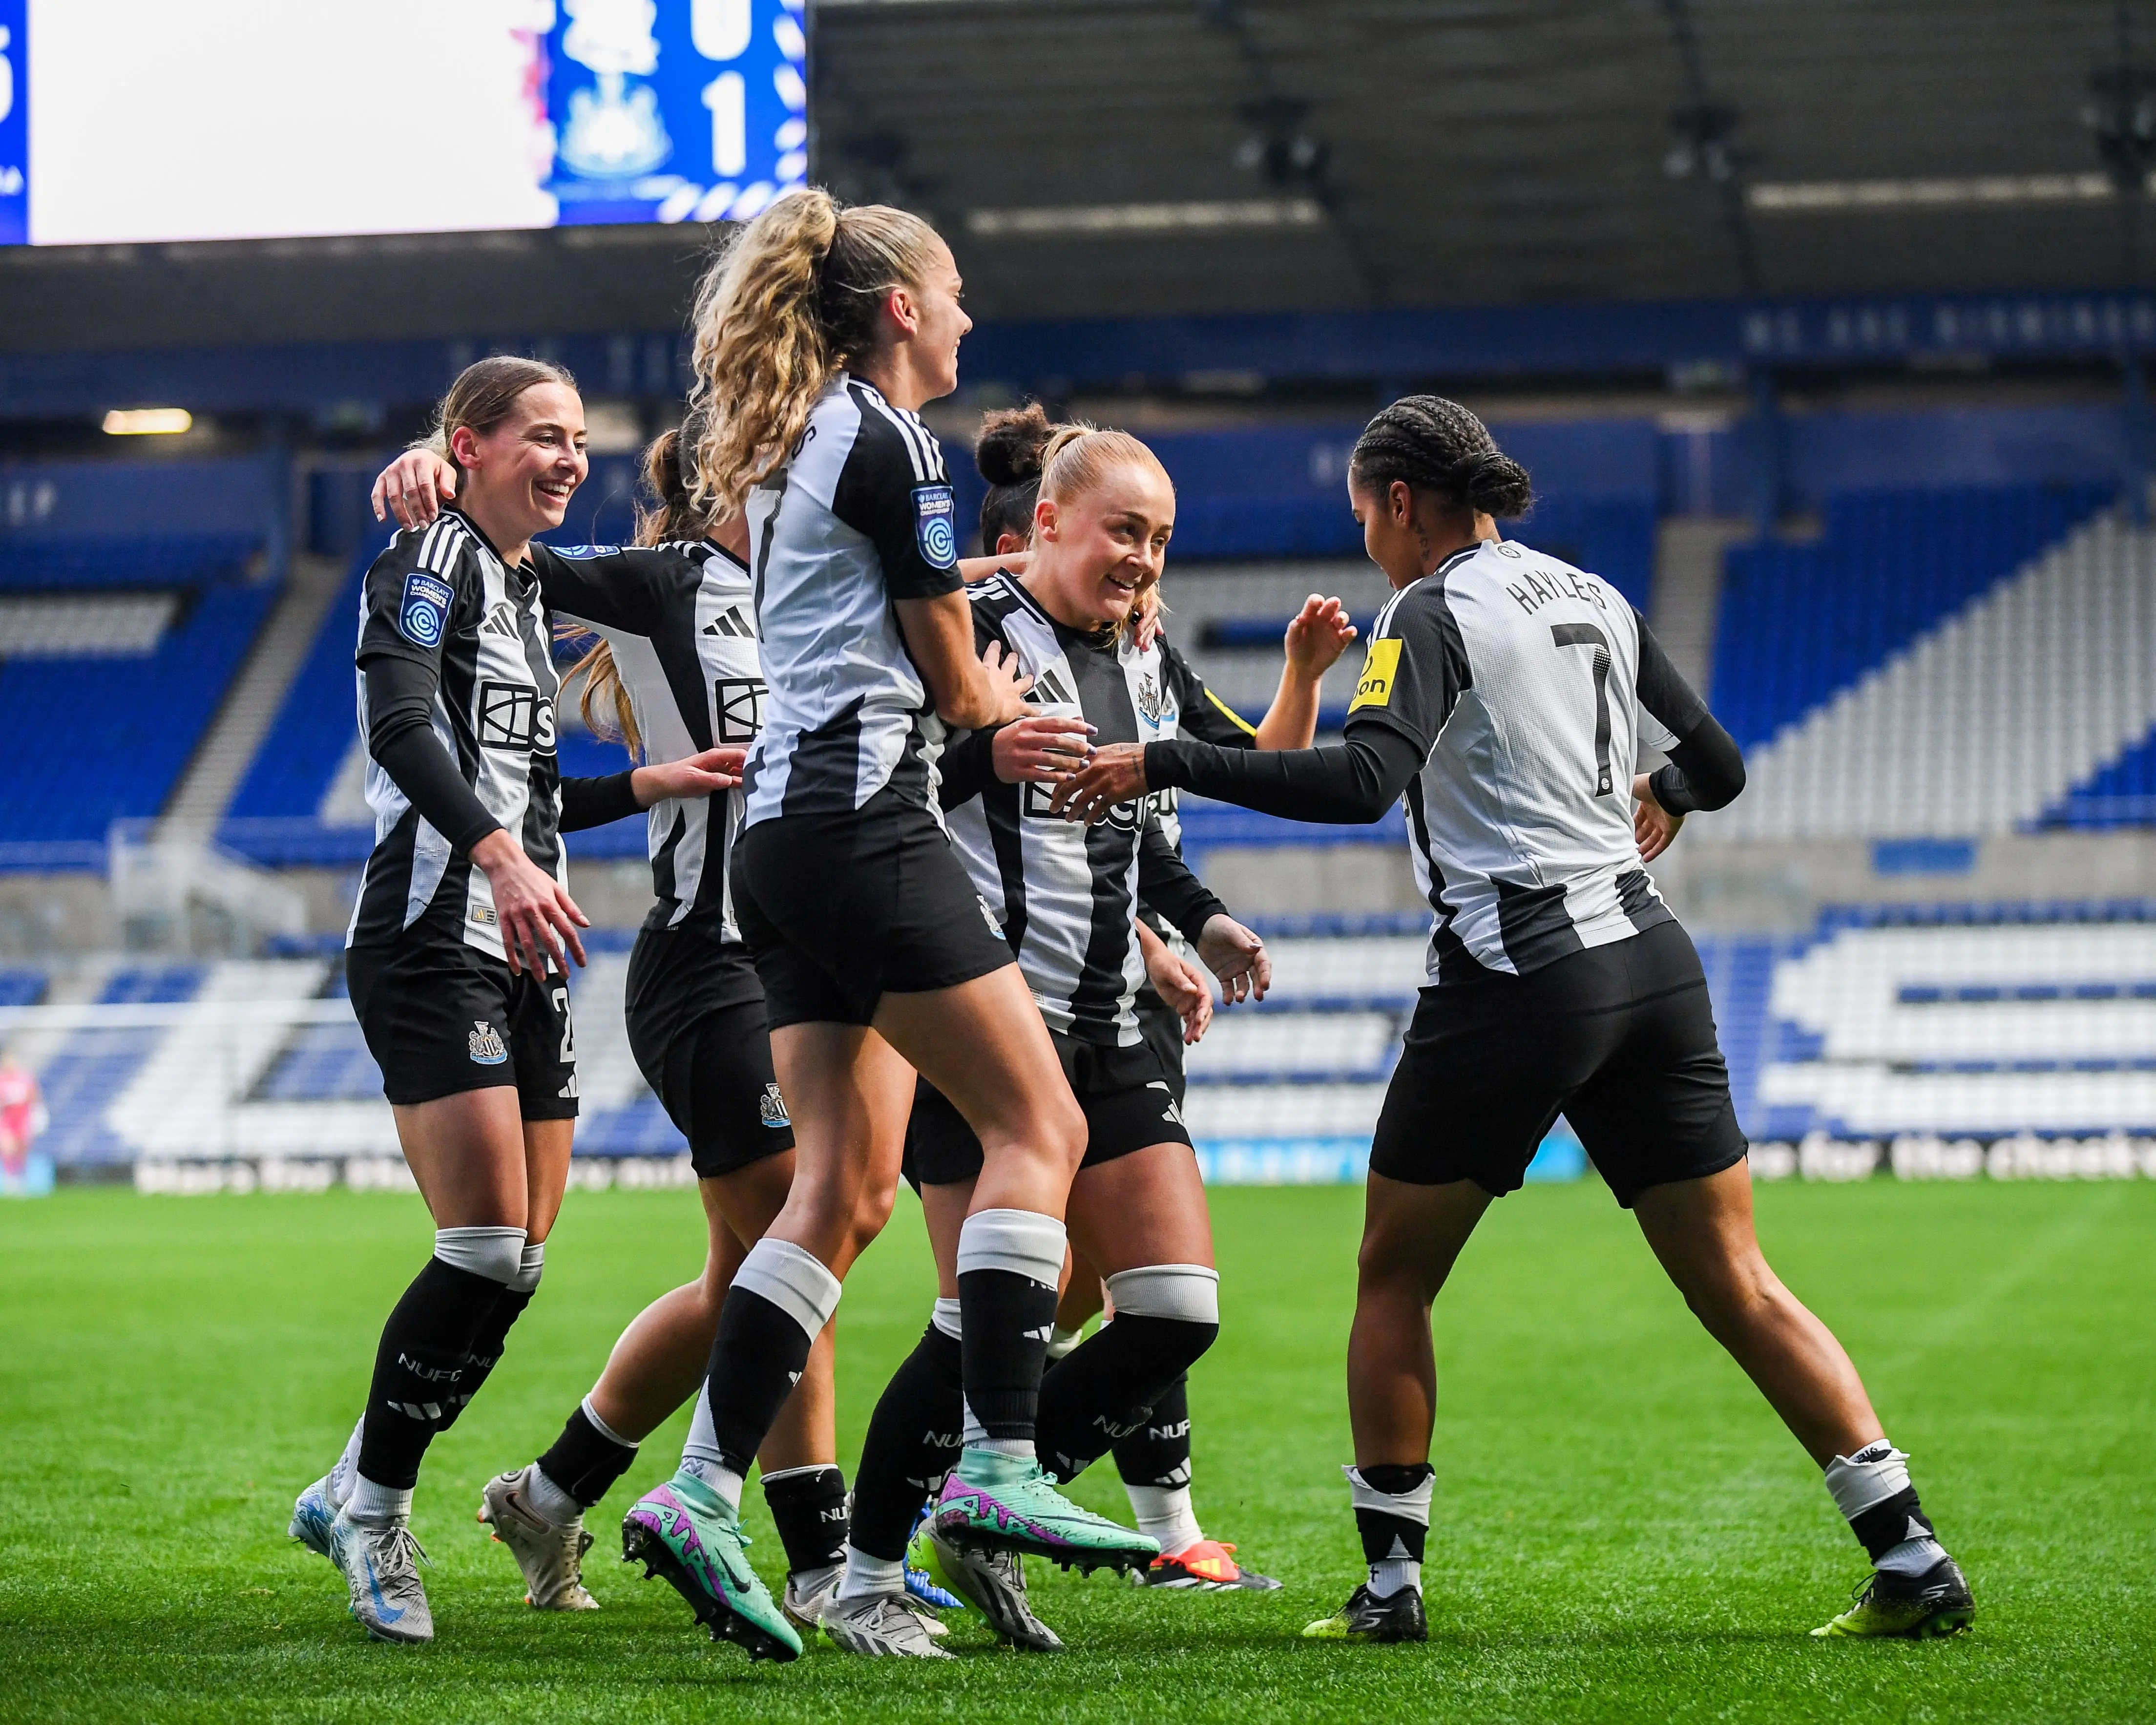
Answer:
(675, 674)
(819, 331)
(458, 951)
(1505, 696)
(1154, 1458)
(1064, 897)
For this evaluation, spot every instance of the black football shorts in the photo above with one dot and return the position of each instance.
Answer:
(441, 1018)
(1619, 1039)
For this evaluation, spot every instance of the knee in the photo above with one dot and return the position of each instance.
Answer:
(1730, 1296)
(871, 1211)
(1177, 1308)
(1386, 1265)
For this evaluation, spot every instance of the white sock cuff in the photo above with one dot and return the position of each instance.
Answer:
(1023, 1242)
(607, 1431)
(945, 1317)
(495, 1253)
(375, 1505)
(529, 1267)
(793, 1278)
(771, 1479)
(1187, 1291)
(1870, 1477)
(1062, 1343)
(1409, 1506)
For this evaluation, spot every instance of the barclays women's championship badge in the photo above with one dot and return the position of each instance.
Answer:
(424, 614)
(935, 525)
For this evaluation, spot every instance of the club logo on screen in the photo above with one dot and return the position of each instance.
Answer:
(423, 614)
(739, 701)
(513, 715)
(935, 525)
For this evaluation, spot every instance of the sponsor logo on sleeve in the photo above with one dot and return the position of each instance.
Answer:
(485, 1043)
(935, 525)
(423, 615)
(1379, 672)
(585, 553)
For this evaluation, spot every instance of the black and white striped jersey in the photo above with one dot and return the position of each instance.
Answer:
(440, 600)
(860, 516)
(1191, 708)
(1065, 895)
(681, 621)
(1519, 678)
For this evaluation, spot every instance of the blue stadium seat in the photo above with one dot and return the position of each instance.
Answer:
(92, 741)
(47, 563)
(1800, 622)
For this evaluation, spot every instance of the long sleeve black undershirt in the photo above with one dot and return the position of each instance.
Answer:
(594, 802)
(1706, 770)
(1167, 887)
(1347, 783)
(400, 736)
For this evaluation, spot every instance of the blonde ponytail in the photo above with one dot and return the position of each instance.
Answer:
(795, 296)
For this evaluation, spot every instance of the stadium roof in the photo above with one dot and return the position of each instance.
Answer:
(1172, 156)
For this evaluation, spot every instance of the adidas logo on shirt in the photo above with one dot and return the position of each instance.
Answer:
(1049, 687)
(502, 620)
(730, 622)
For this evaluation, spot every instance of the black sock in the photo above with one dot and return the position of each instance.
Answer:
(1387, 1536)
(420, 1369)
(809, 1504)
(1102, 1389)
(758, 1356)
(1007, 1319)
(1157, 1452)
(486, 1346)
(584, 1462)
(1884, 1526)
(913, 1442)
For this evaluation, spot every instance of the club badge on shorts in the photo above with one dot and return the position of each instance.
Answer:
(485, 1043)
(422, 616)
(935, 525)
(772, 1106)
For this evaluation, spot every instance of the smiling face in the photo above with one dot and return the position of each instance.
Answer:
(520, 475)
(1097, 552)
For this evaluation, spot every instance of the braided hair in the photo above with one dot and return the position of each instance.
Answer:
(1437, 445)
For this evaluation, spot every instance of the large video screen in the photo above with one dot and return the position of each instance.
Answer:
(139, 120)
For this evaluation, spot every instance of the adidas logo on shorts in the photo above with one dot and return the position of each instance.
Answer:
(485, 1043)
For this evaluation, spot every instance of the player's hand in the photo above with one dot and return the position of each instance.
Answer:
(414, 488)
(1145, 618)
(534, 911)
(1236, 956)
(1316, 636)
(1008, 686)
(1180, 983)
(693, 776)
(1116, 774)
(1046, 750)
(1653, 826)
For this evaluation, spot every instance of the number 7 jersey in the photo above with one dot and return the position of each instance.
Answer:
(1522, 680)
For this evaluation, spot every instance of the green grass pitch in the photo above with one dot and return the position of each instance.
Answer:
(1621, 1529)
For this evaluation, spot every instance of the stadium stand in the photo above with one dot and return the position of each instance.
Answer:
(1800, 622)
(1953, 1020)
(117, 653)
(1984, 722)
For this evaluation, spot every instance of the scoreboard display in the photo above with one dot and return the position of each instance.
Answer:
(128, 121)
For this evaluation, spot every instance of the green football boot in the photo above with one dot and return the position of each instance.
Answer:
(994, 1503)
(1917, 1608)
(686, 1532)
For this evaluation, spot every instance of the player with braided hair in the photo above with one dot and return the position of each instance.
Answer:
(1506, 696)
